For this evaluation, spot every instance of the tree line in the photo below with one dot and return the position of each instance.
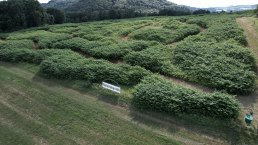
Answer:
(21, 14)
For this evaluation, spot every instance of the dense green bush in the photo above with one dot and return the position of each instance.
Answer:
(151, 58)
(43, 54)
(165, 35)
(223, 66)
(157, 94)
(77, 67)
(198, 22)
(109, 52)
(28, 44)
(105, 49)
(75, 43)
(226, 31)
(17, 55)
(45, 38)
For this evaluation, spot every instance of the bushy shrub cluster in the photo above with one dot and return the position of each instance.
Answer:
(25, 43)
(226, 31)
(17, 55)
(29, 55)
(77, 67)
(45, 38)
(151, 58)
(225, 66)
(157, 94)
(165, 35)
(105, 49)
(198, 22)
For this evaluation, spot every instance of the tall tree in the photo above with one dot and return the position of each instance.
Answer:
(19, 14)
(59, 16)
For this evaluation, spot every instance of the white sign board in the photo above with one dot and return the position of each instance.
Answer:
(111, 87)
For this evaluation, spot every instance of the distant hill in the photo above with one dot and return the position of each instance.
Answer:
(100, 5)
(232, 8)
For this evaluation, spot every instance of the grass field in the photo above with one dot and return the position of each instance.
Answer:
(50, 78)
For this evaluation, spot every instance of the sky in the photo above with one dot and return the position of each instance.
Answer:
(205, 3)
(214, 3)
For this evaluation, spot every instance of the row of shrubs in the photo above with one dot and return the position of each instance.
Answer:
(152, 58)
(104, 50)
(225, 66)
(30, 55)
(44, 39)
(165, 35)
(66, 64)
(157, 94)
(10, 44)
(75, 66)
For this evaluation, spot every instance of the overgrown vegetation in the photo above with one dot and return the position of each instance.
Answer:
(211, 53)
(156, 93)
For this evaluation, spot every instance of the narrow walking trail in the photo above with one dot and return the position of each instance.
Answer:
(250, 27)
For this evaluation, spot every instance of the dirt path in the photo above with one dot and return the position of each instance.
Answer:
(251, 32)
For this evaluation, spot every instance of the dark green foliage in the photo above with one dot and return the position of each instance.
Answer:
(3, 36)
(223, 66)
(151, 59)
(201, 11)
(165, 35)
(58, 15)
(25, 43)
(17, 55)
(102, 49)
(29, 55)
(43, 54)
(19, 14)
(75, 66)
(225, 31)
(109, 52)
(157, 94)
(256, 11)
(177, 11)
(74, 44)
(198, 22)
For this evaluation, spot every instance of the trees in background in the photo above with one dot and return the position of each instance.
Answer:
(57, 16)
(19, 14)
(174, 12)
(256, 11)
(201, 11)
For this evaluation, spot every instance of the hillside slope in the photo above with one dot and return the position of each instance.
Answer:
(100, 5)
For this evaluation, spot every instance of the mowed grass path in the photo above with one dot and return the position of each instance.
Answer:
(250, 26)
(33, 114)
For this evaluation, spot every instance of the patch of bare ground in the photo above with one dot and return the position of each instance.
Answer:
(125, 38)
